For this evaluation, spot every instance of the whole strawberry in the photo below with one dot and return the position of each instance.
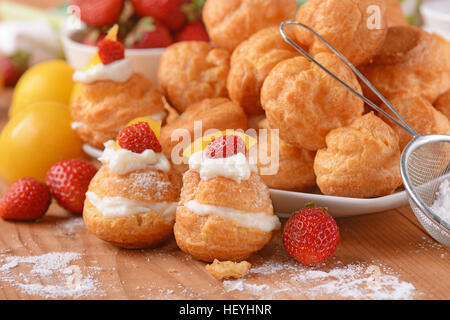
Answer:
(13, 67)
(194, 31)
(167, 12)
(99, 13)
(148, 34)
(311, 235)
(138, 137)
(26, 199)
(225, 146)
(69, 181)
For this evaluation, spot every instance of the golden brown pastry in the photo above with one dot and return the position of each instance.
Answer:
(225, 211)
(411, 61)
(228, 269)
(394, 14)
(420, 114)
(232, 21)
(218, 113)
(360, 161)
(193, 71)
(103, 108)
(131, 201)
(356, 28)
(442, 104)
(295, 170)
(251, 62)
(305, 103)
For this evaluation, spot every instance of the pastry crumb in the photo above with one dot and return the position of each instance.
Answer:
(171, 270)
(228, 269)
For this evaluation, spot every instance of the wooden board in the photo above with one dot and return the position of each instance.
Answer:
(385, 247)
(382, 255)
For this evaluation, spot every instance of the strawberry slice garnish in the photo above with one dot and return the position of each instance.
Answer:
(110, 51)
(225, 146)
(139, 137)
(26, 199)
(311, 235)
(69, 181)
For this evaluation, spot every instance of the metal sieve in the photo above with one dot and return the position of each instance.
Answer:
(425, 162)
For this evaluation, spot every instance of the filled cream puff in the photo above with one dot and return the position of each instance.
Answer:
(443, 103)
(109, 94)
(225, 211)
(131, 201)
(210, 114)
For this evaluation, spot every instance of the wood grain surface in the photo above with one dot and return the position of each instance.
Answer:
(390, 247)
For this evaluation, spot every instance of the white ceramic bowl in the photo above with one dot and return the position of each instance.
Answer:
(436, 17)
(145, 61)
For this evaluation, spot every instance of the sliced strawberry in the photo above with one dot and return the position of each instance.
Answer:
(138, 137)
(110, 51)
(26, 199)
(99, 13)
(69, 181)
(194, 31)
(148, 34)
(310, 236)
(225, 146)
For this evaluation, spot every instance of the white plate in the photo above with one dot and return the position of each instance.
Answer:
(287, 202)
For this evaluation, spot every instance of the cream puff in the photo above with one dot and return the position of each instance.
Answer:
(192, 71)
(361, 160)
(410, 61)
(420, 114)
(251, 62)
(225, 211)
(210, 114)
(131, 201)
(356, 28)
(109, 95)
(442, 104)
(294, 171)
(233, 21)
(305, 103)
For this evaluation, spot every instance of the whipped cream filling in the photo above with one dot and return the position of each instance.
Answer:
(258, 220)
(119, 207)
(122, 161)
(118, 71)
(235, 167)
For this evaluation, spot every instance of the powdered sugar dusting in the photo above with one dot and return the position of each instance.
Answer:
(353, 281)
(49, 275)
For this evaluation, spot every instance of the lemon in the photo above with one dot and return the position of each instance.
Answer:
(36, 138)
(46, 81)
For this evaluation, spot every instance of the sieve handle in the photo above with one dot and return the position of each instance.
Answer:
(402, 123)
